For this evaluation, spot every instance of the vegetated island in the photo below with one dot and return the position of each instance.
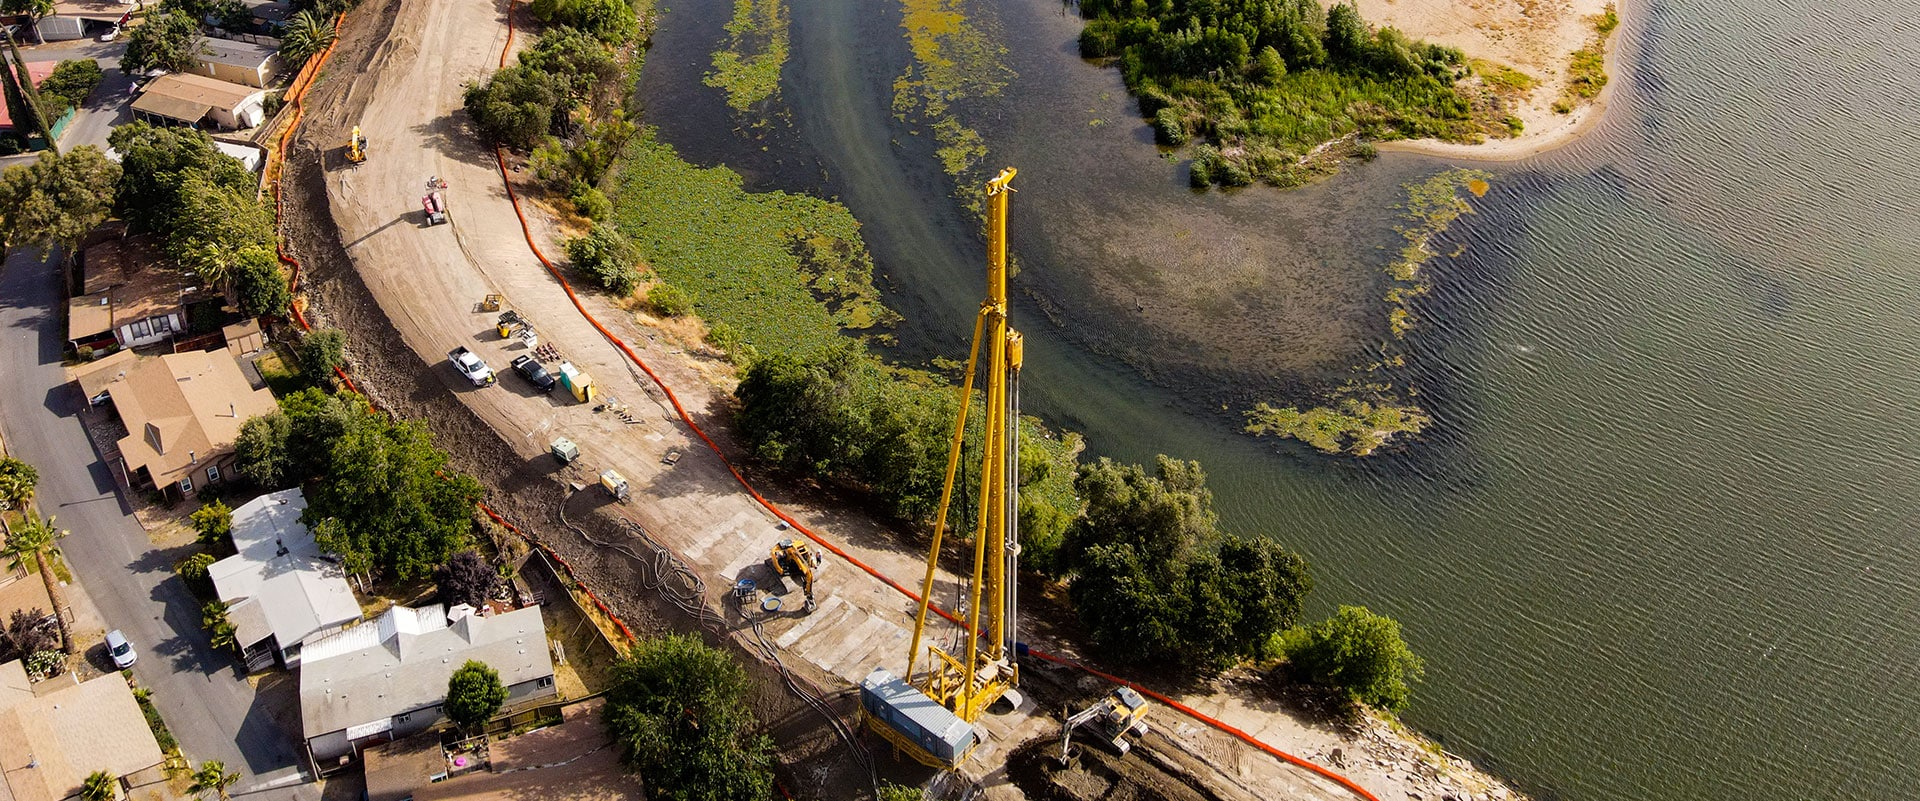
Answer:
(1284, 91)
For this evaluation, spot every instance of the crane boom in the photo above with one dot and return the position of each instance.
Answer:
(967, 684)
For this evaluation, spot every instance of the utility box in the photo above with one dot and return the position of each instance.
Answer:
(907, 716)
(576, 382)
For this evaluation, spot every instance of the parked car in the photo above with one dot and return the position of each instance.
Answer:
(534, 372)
(120, 650)
(470, 365)
(111, 34)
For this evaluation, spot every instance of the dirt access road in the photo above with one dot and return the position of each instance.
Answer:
(394, 283)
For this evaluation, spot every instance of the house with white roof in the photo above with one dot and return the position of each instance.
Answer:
(281, 590)
(385, 680)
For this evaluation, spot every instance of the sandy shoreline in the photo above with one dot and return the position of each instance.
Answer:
(1533, 37)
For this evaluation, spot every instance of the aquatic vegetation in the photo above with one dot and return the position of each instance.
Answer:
(1351, 425)
(1285, 90)
(954, 59)
(748, 68)
(784, 272)
(1587, 73)
(1358, 418)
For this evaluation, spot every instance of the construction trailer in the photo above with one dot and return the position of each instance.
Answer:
(985, 669)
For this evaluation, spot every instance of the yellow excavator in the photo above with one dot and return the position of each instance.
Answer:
(357, 147)
(929, 715)
(798, 562)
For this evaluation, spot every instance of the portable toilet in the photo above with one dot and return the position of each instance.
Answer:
(576, 382)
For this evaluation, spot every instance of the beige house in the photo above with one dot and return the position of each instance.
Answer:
(244, 63)
(182, 412)
(198, 101)
(133, 296)
(51, 740)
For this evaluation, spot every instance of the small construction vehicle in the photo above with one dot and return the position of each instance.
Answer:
(1122, 712)
(796, 561)
(490, 303)
(434, 202)
(357, 147)
(470, 365)
(508, 321)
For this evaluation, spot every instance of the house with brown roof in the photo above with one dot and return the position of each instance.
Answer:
(198, 101)
(132, 295)
(182, 412)
(244, 63)
(51, 739)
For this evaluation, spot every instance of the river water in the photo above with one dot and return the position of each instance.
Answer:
(1660, 544)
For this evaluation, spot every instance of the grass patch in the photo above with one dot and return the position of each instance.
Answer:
(787, 272)
(748, 68)
(281, 372)
(1587, 73)
(1502, 78)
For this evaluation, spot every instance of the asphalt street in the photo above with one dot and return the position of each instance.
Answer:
(203, 693)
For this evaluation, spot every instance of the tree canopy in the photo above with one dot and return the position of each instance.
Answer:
(220, 231)
(516, 106)
(307, 34)
(474, 694)
(678, 710)
(1155, 581)
(57, 199)
(604, 255)
(168, 40)
(17, 481)
(212, 523)
(612, 21)
(320, 351)
(156, 165)
(1359, 652)
(466, 579)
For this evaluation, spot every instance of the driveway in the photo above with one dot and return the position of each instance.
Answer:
(207, 702)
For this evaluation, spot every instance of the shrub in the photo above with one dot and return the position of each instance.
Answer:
(516, 106)
(1358, 652)
(605, 256)
(46, 664)
(1169, 128)
(728, 340)
(591, 203)
(668, 300)
(474, 694)
(466, 579)
(320, 352)
(612, 21)
(69, 85)
(213, 524)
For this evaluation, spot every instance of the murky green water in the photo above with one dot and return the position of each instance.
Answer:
(1661, 542)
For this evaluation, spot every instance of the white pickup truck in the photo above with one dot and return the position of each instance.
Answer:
(470, 365)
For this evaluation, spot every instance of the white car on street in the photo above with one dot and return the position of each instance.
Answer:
(120, 650)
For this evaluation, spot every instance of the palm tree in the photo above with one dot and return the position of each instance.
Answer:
(17, 481)
(219, 629)
(100, 786)
(306, 35)
(213, 775)
(34, 539)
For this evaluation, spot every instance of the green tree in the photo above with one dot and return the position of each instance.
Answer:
(261, 450)
(33, 539)
(219, 230)
(156, 163)
(474, 694)
(169, 40)
(1358, 652)
(259, 286)
(395, 503)
(69, 85)
(605, 255)
(585, 66)
(17, 482)
(678, 710)
(613, 21)
(516, 106)
(100, 785)
(307, 34)
(23, 97)
(322, 350)
(213, 524)
(213, 775)
(57, 199)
